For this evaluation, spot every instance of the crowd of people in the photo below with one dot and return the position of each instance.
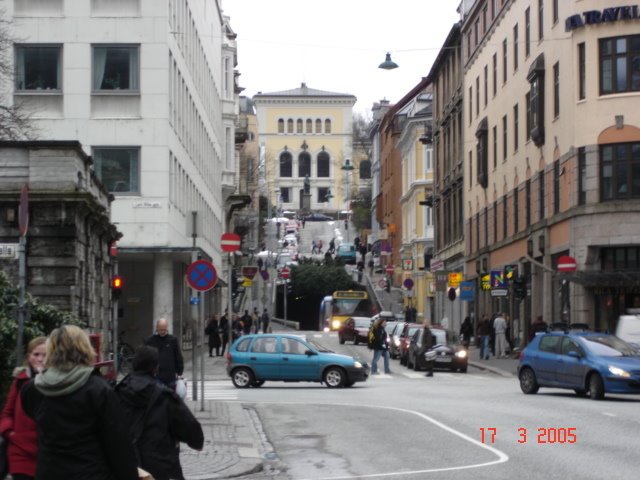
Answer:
(62, 419)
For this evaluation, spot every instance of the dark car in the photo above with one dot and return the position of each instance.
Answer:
(254, 359)
(394, 340)
(390, 327)
(586, 362)
(317, 217)
(354, 329)
(408, 330)
(443, 354)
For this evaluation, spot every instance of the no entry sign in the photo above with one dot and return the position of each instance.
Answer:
(230, 242)
(567, 264)
(285, 272)
(201, 275)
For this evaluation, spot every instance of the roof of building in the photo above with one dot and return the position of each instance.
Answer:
(303, 91)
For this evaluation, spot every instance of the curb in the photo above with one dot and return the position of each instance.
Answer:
(495, 370)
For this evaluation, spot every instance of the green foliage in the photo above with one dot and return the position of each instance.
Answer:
(308, 280)
(43, 318)
(361, 216)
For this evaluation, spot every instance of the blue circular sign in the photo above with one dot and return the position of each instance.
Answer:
(408, 284)
(201, 275)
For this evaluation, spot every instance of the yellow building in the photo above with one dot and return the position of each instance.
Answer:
(307, 132)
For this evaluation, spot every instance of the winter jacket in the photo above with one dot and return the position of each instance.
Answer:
(213, 332)
(380, 341)
(81, 429)
(168, 422)
(19, 429)
(169, 357)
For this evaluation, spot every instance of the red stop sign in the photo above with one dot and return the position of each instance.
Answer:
(389, 269)
(230, 242)
(567, 264)
(285, 272)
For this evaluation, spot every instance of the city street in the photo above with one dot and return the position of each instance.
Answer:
(451, 426)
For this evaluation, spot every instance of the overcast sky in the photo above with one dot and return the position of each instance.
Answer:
(337, 45)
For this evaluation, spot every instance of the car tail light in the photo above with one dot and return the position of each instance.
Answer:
(229, 358)
(521, 356)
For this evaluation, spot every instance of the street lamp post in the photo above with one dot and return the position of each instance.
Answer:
(347, 168)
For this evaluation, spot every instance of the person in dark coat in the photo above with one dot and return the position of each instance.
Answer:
(466, 330)
(236, 327)
(171, 362)
(265, 320)
(213, 331)
(18, 429)
(380, 346)
(428, 341)
(82, 433)
(247, 322)
(167, 422)
(224, 331)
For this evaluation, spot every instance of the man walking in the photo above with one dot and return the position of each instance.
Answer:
(171, 364)
(264, 319)
(380, 346)
(500, 327)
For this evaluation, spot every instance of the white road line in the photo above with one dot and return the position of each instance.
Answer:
(217, 390)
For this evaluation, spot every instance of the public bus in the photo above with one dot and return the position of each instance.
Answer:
(336, 308)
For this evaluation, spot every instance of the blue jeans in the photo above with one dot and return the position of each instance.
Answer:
(376, 356)
(484, 347)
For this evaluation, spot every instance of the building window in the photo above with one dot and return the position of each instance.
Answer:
(470, 105)
(536, 100)
(540, 19)
(327, 126)
(556, 187)
(581, 71)
(620, 171)
(280, 125)
(286, 164)
(323, 164)
(322, 194)
(527, 32)
(118, 168)
(504, 138)
(116, 67)
(495, 221)
(541, 194)
(495, 147)
(620, 64)
(515, 47)
(495, 74)
(299, 126)
(477, 96)
(582, 176)
(556, 90)
(555, 11)
(304, 164)
(505, 218)
(486, 84)
(38, 67)
(290, 125)
(516, 217)
(527, 102)
(527, 206)
(285, 194)
(515, 127)
(318, 125)
(364, 169)
(482, 133)
(309, 126)
(620, 258)
(504, 61)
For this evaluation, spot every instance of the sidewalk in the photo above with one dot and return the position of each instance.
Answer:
(506, 367)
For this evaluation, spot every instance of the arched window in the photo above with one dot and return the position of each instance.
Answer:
(290, 125)
(365, 169)
(318, 125)
(299, 125)
(323, 164)
(309, 126)
(286, 162)
(280, 125)
(327, 126)
(304, 164)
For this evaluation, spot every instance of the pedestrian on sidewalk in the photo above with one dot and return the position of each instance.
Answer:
(264, 319)
(380, 346)
(157, 417)
(247, 323)
(255, 320)
(236, 327)
(213, 332)
(360, 268)
(332, 246)
(18, 429)
(538, 326)
(320, 245)
(500, 327)
(81, 427)
(171, 363)
(484, 336)
(371, 264)
(428, 341)
(466, 330)
(314, 249)
(224, 332)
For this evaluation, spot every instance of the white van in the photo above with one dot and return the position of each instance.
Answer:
(628, 328)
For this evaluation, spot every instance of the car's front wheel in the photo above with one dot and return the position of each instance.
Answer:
(596, 387)
(356, 341)
(528, 382)
(334, 377)
(341, 339)
(242, 377)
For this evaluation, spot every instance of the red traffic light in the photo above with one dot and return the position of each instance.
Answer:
(116, 282)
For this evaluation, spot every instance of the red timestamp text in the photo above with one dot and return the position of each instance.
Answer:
(541, 435)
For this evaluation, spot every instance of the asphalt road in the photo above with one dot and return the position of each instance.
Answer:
(406, 426)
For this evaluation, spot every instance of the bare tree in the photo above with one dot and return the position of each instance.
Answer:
(15, 119)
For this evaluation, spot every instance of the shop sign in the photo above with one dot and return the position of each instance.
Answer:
(606, 15)
(442, 277)
(454, 279)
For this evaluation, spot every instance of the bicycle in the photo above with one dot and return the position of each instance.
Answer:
(125, 355)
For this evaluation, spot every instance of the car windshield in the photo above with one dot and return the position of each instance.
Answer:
(362, 322)
(318, 346)
(441, 336)
(609, 346)
(390, 327)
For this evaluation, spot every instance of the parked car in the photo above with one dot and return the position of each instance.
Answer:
(390, 327)
(444, 353)
(394, 340)
(354, 329)
(317, 217)
(347, 252)
(628, 328)
(405, 338)
(587, 362)
(254, 359)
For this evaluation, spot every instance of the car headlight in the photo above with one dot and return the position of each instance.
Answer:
(357, 364)
(618, 372)
(461, 354)
(336, 324)
(396, 341)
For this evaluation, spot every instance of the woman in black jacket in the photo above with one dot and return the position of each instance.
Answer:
(158, 419)
(81, 431)
(212, 330)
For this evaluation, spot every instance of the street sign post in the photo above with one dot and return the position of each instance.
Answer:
(567, 264)
(285, 272)
(230, 242)
(389, 269)
(201, 275)
(408, 283)
(249, 272)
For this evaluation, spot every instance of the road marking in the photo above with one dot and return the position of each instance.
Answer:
(215, 390)
(609, 414)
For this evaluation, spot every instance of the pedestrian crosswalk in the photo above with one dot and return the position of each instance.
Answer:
(216, 390)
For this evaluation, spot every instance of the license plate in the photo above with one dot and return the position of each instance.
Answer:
(443, 359)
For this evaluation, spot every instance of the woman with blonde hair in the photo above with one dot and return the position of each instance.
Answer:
(16, 427)
(81, 432)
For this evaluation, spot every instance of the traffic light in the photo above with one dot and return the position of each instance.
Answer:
(116, 286)
(520, 288)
